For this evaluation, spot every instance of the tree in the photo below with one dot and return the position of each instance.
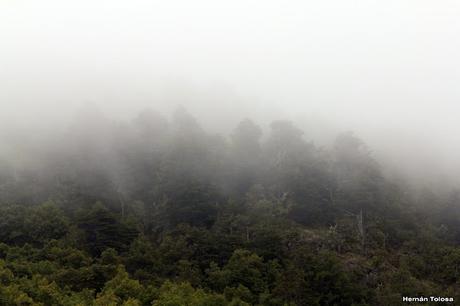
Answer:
(193, 203)
(243, 269)
(285, 144)
(122, 287)
(246, 154)
(102, 230)
(184, 294)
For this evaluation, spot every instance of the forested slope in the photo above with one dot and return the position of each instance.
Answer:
(162, 212)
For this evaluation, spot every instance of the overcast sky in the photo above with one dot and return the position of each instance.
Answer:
(390, 70)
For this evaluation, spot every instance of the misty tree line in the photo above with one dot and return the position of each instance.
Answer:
(161, 212)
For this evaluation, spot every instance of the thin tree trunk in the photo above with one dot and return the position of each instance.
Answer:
(360, 221)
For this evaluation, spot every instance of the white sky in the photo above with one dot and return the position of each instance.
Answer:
(388, 69)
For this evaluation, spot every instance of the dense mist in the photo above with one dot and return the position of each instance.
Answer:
(401, 154)
(244, 153)
(387, 71)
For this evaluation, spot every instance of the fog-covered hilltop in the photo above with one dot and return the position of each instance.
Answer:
(160, 210)
(314, 160)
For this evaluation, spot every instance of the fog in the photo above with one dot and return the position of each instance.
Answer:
(387, 70)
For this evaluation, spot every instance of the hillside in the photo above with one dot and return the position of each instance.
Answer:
(161, 212)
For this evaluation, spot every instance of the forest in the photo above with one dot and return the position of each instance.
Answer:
(158, 210)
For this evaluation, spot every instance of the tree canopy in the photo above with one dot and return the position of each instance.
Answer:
(162, 212)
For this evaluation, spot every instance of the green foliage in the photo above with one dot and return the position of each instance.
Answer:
(195, 219)
(37, 225)
(103, 230)
(183, 294)
(192, 203)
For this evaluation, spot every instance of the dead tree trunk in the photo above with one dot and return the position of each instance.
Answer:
(122, 203)
(360, 222)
